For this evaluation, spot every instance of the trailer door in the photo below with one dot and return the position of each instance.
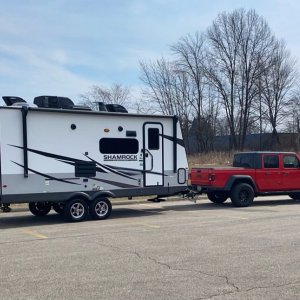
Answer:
(153, 151)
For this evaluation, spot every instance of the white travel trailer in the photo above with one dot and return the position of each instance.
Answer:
(72, 159)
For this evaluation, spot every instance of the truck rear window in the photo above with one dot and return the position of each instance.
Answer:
(243, 161)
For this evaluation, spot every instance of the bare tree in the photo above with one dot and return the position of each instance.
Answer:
(168, 88)
(239, 44)
(190, 56)
(116, 94)
(278, 81)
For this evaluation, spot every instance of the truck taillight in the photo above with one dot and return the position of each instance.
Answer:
(211, 177)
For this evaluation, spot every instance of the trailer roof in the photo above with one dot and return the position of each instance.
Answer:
(88, 112)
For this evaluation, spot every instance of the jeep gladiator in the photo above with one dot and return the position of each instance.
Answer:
(252, 174)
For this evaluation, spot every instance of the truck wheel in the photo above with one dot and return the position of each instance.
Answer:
(58, 208)
(100, 208)
(39, 209)
(295, 196)
(217, 197)
(76, 210)
(242, 195)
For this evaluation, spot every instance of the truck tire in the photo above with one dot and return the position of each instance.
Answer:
(100, 208)
(295, 196)
(76, 210)
(242, 195)
(58, 208)
(39, 209)
(217, 197)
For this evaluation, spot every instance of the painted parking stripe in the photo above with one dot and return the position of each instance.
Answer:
(34, 233)
(143, 224)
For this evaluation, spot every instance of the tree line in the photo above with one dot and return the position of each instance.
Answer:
(235, 78)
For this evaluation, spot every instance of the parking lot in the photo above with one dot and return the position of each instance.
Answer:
(166, 250)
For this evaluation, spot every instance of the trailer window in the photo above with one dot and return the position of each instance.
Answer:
(153, 138)
(271, 162)
(118, 146)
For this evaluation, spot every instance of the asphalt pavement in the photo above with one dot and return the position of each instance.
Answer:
(166, 250)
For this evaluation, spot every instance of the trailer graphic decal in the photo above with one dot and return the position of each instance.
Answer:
(118, 184)
(71, 161)
(180, 142)
(110, 169)
(46, 175)
(120, 157)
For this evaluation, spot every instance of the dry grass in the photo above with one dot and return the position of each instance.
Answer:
(210, 159)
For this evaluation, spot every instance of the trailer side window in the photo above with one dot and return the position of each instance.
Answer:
(153, 138)
(118, 146)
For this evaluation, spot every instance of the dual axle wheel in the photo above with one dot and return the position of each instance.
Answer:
(76, 209)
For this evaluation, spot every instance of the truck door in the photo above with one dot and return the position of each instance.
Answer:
(153, 149)
(269, 177)
(291, 172)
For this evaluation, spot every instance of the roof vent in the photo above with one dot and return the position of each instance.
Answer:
(12, 100)
(57, 102)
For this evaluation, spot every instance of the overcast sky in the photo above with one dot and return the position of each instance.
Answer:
(62, 47)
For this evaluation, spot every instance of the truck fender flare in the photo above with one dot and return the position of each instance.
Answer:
(239, 178)
(103, 194)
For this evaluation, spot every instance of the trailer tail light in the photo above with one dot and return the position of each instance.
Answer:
(211, 177)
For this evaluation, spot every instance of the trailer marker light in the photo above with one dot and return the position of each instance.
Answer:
(106, 130)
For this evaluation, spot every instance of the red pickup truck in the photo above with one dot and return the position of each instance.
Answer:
(252, 174)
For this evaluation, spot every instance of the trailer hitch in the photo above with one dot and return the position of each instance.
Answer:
(190, 194)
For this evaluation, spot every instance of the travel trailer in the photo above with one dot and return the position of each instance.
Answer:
(54, 154)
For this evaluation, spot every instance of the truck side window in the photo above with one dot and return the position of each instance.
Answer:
(271, 161)
(290, 161)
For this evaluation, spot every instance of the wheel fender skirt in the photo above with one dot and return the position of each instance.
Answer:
(103, 194)
(82, 195)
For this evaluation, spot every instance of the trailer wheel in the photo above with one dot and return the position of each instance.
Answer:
(39, 209)
(295, 196)
(100, 208)
(58, 208)
(76, 210)
(217, 197)
(242, 195)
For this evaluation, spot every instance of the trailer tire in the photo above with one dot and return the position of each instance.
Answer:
(100, 208)
(76, 210)
(58, 208)
(217, 198)
(242, 195)
(39, 209)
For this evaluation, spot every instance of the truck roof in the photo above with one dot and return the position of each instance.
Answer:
(266, 152)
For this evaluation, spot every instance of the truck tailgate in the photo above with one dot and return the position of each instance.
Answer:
(201, 176)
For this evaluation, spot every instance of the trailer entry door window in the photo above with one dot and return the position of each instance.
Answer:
(153, 138)
(118, 146)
